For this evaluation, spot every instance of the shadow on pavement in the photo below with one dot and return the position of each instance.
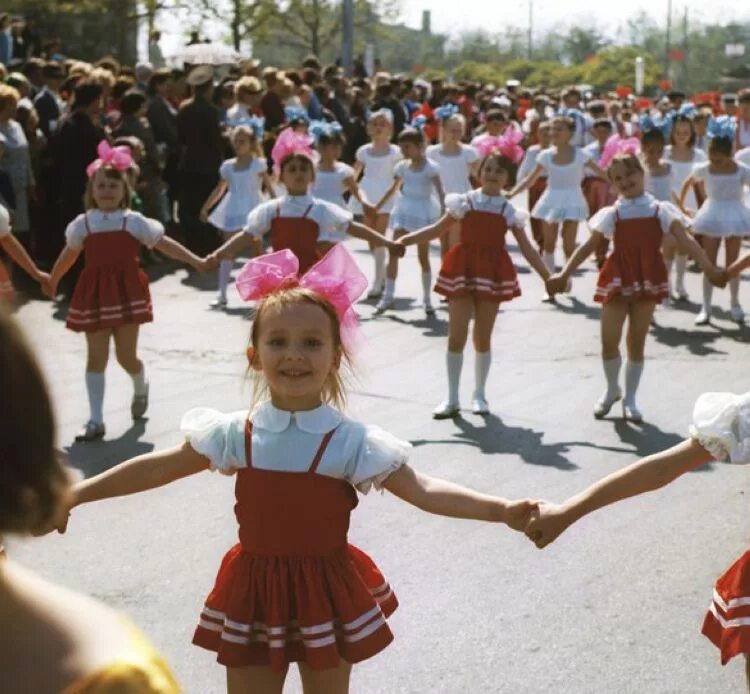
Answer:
(432, 326)
(94, 457)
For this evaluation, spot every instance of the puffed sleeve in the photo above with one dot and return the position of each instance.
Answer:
(470, 154)
(544, 159)
(361, 154)
(745, 175)
(668, 214)
(743, 156)
(75, 233)
(4, 222)
(400, 167)
(330, 217)
(604, 222)
(699, 172)
(148, 231)
(456, 205)
(721, 424)
(216, 436)
(515, 217)
(225, 170)
(433, 170)
(347, 172)
(259, 220)
(379, 455)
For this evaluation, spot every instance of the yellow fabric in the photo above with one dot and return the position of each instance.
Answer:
(141, 670)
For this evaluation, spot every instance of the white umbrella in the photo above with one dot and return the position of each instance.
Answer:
(207, 54)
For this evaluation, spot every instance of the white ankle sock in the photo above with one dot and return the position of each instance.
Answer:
(669, 262)
(708, 291)
(680, 263)
(225, 272)
(633, 371)
(734, 291)
(95, 390)
(379, 254)
(140, 384)
(454, 361)
(390, 288)
(549, 260)
(482, 363)
(427, 286)
(612, 374)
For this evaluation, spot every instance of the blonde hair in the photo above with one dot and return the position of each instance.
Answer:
(102, 76)
(246, 85)
(631, 162)
(247, 131)
(6, 94)
(456, 118)
(334, 391)
(80, 67)
(115, 174)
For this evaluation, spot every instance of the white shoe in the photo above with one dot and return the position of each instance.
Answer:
(604, 405)
(666, 302)
(680, 294)
(548, 298)
(429, 309)
(376, 290)
(446, 410)
(219, 303)
(384, 304)
(480, 405)
(703, 318)
(738, 315)
(631, 413)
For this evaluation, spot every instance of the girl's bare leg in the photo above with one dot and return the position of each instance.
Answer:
(126, 350)
(732, 252)
(460, 311)
(485, 314)
(97, 356)
(333, 681)
(549, 241)
(379, 222)
(389, 290)
(711, 246)
(639, 321)
(569, 233)
(613, 318)
(254, 680)
(423, 253)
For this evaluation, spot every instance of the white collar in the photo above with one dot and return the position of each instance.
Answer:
(645, 199)
(496, 200)
(306, 199)
(321, 420)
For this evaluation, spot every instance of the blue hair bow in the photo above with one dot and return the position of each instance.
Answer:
(419, 122)
(299, 114)
(647, 122)
(322, 127)
(687, 110)
(723, 126)
(446, 111)
(569, 112)
(253, 122)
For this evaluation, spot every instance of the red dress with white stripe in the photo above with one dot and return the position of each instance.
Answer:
(479, 265)
(293, 589)
(635, 270)
(112, 290)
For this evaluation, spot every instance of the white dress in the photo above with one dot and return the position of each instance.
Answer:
(742, 156)
(329, 186)
(721, 424)
(528, 163)
(454, 168)
(244, 192)
(680, 172)
(660, 186)
(724, 212)
(377, 177)
(416, 205)
(563, 199)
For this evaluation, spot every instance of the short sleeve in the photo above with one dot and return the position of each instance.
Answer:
(75, 233)
(699, 172)
(544, 159)
(225, 170)
(214, 435)
(585, 155)
(379, 455)
(148, 231)
(515, 217)
(432, 169)
(743, 156)
(259, 220)
(259, 165)
(361, 155)
(744, 175)
(721, 424)
(668, 214)
(4, 222)
(401, 166)
(470, 154)
(330, 217)
(456, 205)
(345, 171)
(604, 222)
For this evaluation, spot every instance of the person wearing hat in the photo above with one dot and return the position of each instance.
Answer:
(729, 104)
(201, 154)
(48, 103)
(676, 98)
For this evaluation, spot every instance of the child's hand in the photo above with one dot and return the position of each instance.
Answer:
(369, 210)
(518, 513)
(42, 278)
(49, 289)
(718, 277)
(210, 262)
(556, 283)
(203, 216)
(398, 249)
(547, 522)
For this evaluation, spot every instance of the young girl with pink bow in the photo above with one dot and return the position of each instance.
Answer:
(293, 589)
(111, 297)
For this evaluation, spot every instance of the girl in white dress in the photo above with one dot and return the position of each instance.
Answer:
(535, 191)
(377, 160)
(724, 215)
(682, 154)
(563, 201)
(240, 190)
(456, 162)
(418, 180)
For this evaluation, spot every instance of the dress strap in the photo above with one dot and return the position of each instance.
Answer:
(321, 450)
(124, 220)
(617, 213)
(656, 213)
(307, 211)
(502, 209)
(248, 442)
(278, 209)
(469, 203)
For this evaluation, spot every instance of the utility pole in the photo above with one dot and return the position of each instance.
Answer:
(668, 47)
(531, 29)
(685, 51)
(347, 43)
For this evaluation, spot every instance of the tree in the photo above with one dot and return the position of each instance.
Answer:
(615, 66)
(581, 43)
(246, 17)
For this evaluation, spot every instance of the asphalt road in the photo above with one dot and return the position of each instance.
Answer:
(615, 605)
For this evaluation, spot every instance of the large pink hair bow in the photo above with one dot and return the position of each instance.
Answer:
(507, 144)
(291, 142)
(116, 157)
(618, 145)
(336, 277)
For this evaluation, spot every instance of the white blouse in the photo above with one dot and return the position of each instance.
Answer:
(329, 185)
(327, 216)
(454, 168)
(722, 186)
(457, 205)
(148, 231)
(288, 441)
(4, 222)
(721, 424)
(563, 176)
(417, 183)
(634, 208)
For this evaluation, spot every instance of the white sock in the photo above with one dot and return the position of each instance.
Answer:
(454, 361)
(708, 291)
(680, 263)
(734, 291)
(140, 384)
(380, 255)
(390, 288)
(612, 374)
(633, 371)
(426, 286)
(225, 271)
(668, 262)
(95, 390)
(549, 260)
(482, 363)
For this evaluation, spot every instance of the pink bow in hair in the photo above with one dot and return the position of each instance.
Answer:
(507, 144)
(618, 145)
(335, 277)
(116, 157)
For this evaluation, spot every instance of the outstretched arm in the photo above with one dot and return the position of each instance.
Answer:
(429, 233)
(361, 231)
(686, 186)
(688, 244)
(216, 193)
(172, 249)
(447, 499)
(652, 472)
(12, 246)
(232, 248)
(557, 282)
(389, 193)
(526, 182)
(530, 253)
(64, 262)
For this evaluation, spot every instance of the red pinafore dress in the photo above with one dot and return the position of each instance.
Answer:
(479, 264)
(635, 270)
(293, 589)
(112, 290)
(299, 235)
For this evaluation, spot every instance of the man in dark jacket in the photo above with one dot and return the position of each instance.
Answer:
(47, 103)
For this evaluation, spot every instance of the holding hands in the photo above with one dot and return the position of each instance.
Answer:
(556, 283)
